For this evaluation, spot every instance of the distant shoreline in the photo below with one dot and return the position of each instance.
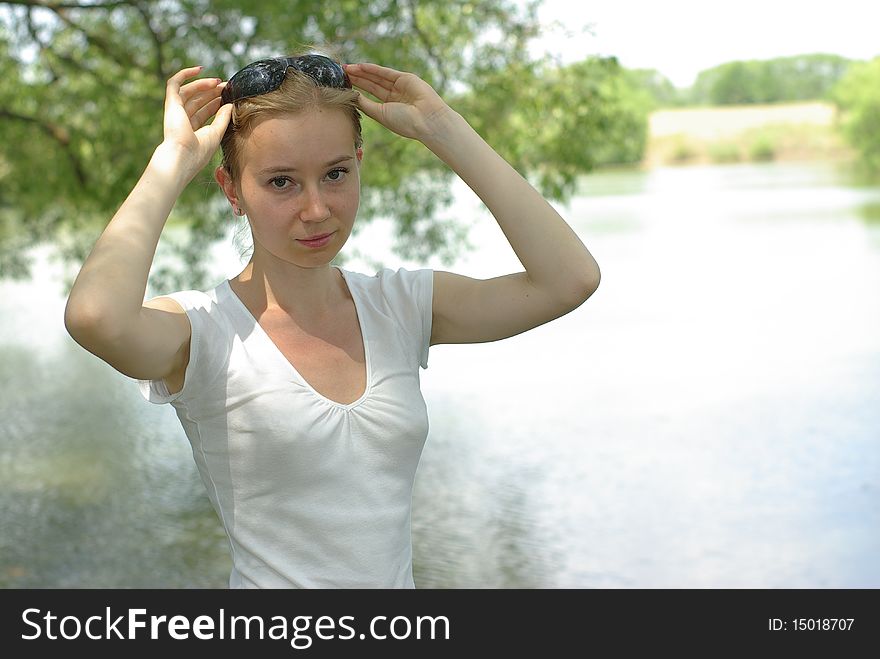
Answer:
(744, 133)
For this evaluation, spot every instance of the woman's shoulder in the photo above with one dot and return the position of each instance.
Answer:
(403, 293)
(209, 311)
(389, 279)
(184, 300)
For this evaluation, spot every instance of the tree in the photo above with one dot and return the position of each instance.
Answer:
(802, 77)
(857, 96)
(83, 87)
(660, 88)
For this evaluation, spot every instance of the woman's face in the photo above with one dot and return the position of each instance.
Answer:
(300, 179)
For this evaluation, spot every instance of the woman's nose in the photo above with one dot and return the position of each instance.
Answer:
(315, 208)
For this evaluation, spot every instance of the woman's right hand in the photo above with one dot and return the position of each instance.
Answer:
(189, 139)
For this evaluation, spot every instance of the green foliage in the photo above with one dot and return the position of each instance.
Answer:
(857, 97)
(803, 77)
(683, 150)
(762, 149)
(661, 90)
(82, 94)
(615, 114)
(724, 152)
(557, 122)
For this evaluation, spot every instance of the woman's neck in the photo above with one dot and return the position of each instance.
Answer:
(300, 292)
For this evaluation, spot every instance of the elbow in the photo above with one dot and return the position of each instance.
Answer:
(79, 319)
(592, 282)
(87, 325)
(570, 292)
(585, 287)
(76, 320)
(81, 327)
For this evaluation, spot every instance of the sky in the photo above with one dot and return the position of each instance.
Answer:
(680, 38)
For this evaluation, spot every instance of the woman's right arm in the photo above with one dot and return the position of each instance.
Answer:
(105, 312)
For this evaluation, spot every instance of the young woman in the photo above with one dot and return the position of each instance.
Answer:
(297, 382)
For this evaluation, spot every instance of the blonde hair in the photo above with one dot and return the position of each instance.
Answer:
(298, 92)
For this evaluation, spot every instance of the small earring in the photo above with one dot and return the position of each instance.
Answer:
(238, 211)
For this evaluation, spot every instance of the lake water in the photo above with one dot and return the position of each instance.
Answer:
(709, 418)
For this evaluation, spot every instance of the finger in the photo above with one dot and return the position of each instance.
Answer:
(200, 117)
(373, 88)
(199, 97)
(374, 70)
(199, 86)
(217, 128)
(359, 76)
(172, 86)
(370, 108)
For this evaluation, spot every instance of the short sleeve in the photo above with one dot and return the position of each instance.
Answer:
(411, 293)
(197, 306)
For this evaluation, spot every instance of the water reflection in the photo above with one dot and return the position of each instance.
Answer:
(93, 494)
(708, 419)
(477, 520)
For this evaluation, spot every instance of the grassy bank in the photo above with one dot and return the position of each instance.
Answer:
(747, 133)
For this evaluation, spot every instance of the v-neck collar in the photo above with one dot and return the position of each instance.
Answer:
(361, 317)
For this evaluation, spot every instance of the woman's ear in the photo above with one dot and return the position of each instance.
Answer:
(224, 180)
(360, 154)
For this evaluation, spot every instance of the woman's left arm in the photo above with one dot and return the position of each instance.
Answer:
(560, 273)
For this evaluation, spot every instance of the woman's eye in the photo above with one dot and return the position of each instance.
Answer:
(337, 174)
(279, 182)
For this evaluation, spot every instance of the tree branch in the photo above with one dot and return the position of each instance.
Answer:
(57, 133)
(426, 43)
(44, 47)
(55, 6)
(49, 52)
(61, 9)
(157, 41)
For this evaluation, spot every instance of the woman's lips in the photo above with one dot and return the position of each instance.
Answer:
(314, 243)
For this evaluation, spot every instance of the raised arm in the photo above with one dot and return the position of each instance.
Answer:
(105, 312)
(560, 273)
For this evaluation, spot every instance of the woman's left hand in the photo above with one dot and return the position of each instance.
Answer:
(408, 105)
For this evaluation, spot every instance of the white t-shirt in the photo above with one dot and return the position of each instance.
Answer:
(312, 493)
